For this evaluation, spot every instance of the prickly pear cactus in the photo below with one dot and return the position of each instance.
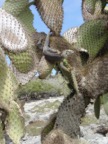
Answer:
(71, 36)
(92, 36)
(25, 62)
(8, 86)
(13, 36)
(17, 43)
(15, 7)
(52, 14)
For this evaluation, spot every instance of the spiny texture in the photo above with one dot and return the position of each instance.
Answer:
(92, 35)
(23, 61)
(8, 86)
(15, 123)
(52, 14)
(12, 34)
(71, 35)
(3, 74)
(14, 118)
(15, 7)
(69, 114)
(3, 78)
(3, 66)
(23, 78)
(26, 18)
(8, 90)
(2, 141)
(93, 9)
(44, 68)
(94, 81)
(27, 60)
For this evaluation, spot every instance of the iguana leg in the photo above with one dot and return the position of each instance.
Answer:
(71, 75)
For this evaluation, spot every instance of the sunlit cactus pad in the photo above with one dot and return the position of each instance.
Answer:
(12, 34)
(52, 13)
(71, 35)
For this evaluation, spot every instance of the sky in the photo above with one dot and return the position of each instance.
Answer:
(72, 16)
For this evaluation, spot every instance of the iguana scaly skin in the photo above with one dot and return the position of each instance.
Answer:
(55, 50)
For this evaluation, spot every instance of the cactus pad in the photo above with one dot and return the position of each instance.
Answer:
(23, 78)
(52, 14)
(92, 35)
(15, 7)
(2, 141)
(15, 123)
(13, 36)
(8, 90)
(22, 61)
(26, 17)
(71, 35)
(44, 68)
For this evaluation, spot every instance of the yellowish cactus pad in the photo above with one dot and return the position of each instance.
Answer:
(15, 123)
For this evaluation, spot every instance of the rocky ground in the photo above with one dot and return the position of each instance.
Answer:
(38, 112)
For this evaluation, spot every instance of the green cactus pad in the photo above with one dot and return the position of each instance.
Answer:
(15, 7)
(23, 61)
(92, 36)
(26, 17)
(3, 74)
(8, 90)
(97, 106)
(15, 123)
(3, 66)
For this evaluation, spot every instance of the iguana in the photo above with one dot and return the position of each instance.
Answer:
(58, 51)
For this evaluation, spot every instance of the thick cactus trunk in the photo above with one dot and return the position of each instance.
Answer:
(92, 84)
(69, 115)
